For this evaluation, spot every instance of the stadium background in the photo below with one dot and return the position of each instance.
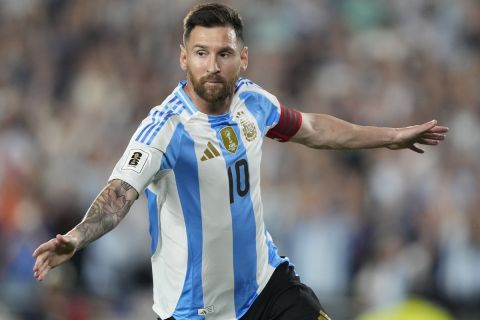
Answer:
(367, 230)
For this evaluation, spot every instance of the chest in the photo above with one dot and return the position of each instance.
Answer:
(224, 140)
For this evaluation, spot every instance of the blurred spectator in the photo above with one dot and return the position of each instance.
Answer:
(76, 77)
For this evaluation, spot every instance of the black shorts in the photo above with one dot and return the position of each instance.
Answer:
(285, 298)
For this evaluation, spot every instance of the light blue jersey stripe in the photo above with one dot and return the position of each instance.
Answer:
(243, 220)
(241, 82)
(264, 111)
(153, 219)
(273, 258)
(183, 161)
(172, 151)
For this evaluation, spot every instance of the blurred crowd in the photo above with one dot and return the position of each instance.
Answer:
(367, 230)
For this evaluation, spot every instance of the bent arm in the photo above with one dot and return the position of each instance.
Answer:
(105, 213)
(321, 131)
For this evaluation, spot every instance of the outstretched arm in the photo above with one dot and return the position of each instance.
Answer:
(322, 131)
(105, 213)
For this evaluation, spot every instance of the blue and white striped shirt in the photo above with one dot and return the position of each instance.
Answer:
(211, 252)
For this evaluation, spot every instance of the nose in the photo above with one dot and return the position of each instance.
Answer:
(213, 66)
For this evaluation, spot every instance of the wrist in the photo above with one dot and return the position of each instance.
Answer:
(391, 135)
(76, 237)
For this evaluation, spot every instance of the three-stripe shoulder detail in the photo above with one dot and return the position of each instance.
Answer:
(242, 82)
(173, 107)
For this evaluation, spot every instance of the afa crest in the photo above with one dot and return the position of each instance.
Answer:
(248, 127)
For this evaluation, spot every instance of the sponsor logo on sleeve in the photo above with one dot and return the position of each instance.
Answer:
(136, 160)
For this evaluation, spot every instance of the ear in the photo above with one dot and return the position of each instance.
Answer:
(183, 58)
(244, 59)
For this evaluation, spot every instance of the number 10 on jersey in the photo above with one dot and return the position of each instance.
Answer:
(238, 179)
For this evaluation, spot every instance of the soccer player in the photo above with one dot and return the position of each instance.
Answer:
(197, 158)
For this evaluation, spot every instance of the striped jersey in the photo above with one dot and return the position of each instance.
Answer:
(211, 252)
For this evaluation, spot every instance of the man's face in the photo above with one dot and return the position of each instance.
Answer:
(213, 59)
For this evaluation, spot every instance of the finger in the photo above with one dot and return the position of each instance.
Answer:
(422, 128)
(435, 136)
(40, 269)
(41, 249)
(41, 261)
(43, 270)
(416, 149)
(439, 129)
(430, 124)
(430, 142)
(41, 275)
(44, 247)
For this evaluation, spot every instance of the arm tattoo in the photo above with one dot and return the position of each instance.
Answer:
(106, 212)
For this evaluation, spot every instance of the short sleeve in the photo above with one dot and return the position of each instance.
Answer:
(288, 124)
(142, 158)
(274, 120)
(264, 106)
(138, 165)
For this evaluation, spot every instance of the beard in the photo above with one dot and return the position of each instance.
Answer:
(214, 95)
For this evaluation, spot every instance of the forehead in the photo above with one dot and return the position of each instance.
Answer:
(213, 37)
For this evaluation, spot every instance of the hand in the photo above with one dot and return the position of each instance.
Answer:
(428, 133)
(53, 253)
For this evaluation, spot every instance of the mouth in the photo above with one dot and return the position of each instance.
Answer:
(213, 84)
(214, 81)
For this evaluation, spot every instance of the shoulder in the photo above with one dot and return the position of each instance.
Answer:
(260, 103)
(173, 105)
(163, 120)
(252, 93)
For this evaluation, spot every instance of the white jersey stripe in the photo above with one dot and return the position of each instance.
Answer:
(217, 266)
(171, 256)
(243, 219)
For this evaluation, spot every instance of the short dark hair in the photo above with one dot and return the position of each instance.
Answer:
(212, 15)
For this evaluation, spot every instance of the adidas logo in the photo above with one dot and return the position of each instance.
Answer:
(210, 152)
(205, 311)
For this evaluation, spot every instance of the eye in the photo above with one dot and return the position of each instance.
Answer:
(201, 53)
(225, 54)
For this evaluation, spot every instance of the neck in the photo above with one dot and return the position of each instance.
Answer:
(218, 107)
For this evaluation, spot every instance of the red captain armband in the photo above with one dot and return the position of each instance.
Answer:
(287, 126)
